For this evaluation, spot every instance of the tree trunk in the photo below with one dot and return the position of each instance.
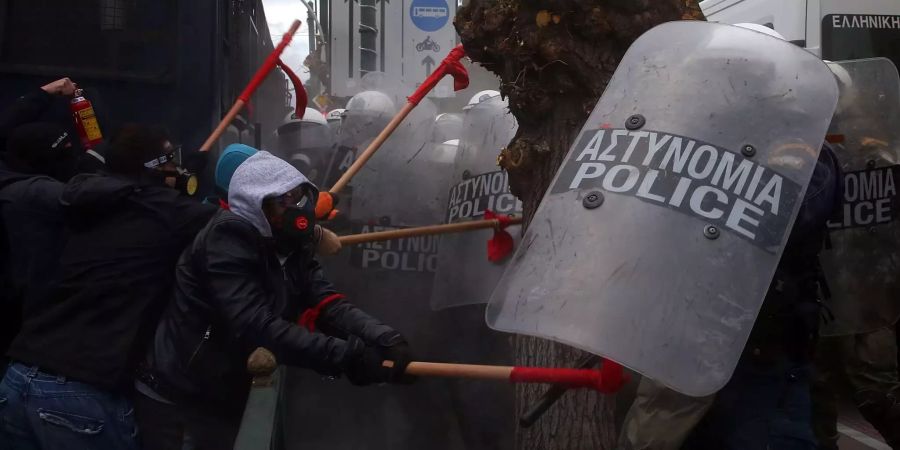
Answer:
(554, 58)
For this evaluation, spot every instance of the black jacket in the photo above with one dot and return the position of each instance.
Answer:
(31, 238)
(25, 109)
(788, 322)
(233, 294)
(115, 278)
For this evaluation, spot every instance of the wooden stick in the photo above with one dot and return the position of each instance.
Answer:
(220, 129)
(429, 369)
(610, 380)
(424, 231)
(254, 83)
(372, 148)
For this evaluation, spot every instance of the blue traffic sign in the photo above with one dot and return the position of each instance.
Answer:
(429, 15)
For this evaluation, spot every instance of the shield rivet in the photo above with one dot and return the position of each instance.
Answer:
(748, 151)
(384, 221)
(711, 232)
(635, 122)
(466, 174)
(592, 200)
(870, 164)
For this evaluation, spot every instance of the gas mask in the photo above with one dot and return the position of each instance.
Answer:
(175, 177)
(295, 228)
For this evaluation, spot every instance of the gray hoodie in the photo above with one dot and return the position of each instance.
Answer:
(260, 176)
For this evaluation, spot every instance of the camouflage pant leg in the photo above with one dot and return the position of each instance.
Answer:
(660, 418)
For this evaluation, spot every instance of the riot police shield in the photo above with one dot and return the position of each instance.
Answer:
(863, 258)
(401, 184)
(367, 113)
(308, 144)
(392, 280)
(464, 275)
(447, 127)
(657, 240)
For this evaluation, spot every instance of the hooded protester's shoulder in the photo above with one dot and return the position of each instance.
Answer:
(230, 234)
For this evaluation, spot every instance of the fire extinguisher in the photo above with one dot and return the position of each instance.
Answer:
(85, 121)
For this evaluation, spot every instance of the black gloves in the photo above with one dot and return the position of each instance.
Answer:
(365, 363)
(393, 347)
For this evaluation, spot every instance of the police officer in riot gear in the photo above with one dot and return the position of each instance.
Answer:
(858, 341)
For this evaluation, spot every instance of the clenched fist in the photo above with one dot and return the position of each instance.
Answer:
(62, 86)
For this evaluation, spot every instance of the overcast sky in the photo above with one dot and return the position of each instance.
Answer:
(280, 14)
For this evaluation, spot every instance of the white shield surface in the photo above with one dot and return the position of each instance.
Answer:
(308, 146)
(862, 261)
(399, 187)
(366, 115)
(660, 234)
(464, 274)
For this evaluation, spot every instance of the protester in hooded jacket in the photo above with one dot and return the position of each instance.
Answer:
(74, 359)
(327, 243)
(241, 285)
(40, 158)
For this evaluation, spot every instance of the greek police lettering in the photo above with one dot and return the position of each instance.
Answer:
(869, 197)
(692, 177)
(865, 21)
(415, 254)
(346, 157)
(479, 193)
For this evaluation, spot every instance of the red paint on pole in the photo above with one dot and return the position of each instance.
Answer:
(609, 379)
(450, 65)
(269, 63)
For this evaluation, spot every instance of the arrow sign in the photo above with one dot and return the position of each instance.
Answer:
(429, 64)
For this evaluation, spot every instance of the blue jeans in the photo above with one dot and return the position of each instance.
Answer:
(39, 411)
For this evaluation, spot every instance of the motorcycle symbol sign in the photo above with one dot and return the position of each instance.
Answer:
(428, 44)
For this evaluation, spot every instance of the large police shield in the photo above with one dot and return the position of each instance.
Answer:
(660, 234)
(308, 144)
(863, 259)
(401, 185)
(447, 127)
(392, 280)
(367, 113)
(464, 275)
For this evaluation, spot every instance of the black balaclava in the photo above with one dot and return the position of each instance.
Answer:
(43, 148)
